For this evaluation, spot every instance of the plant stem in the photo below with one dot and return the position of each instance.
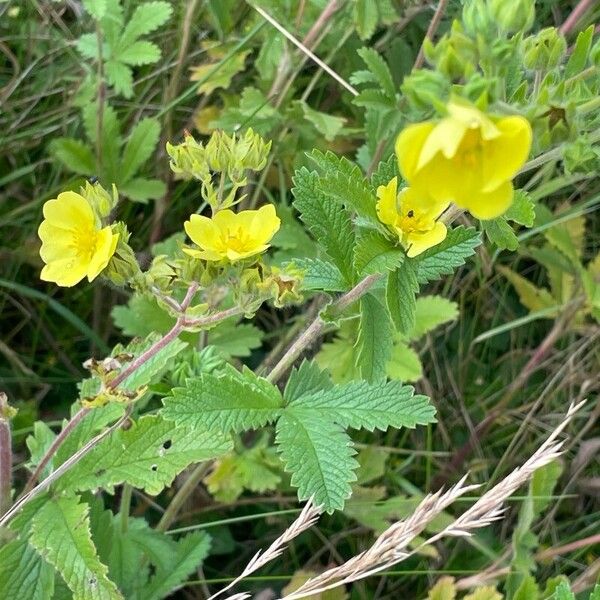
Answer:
(182, 495)
(125, 507)
(315, 329)
(578, 12)
(5, 456)
(433, 26)
(100, 97)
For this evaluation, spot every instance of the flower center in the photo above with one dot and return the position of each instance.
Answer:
(470, 150)
(236, 239)
(410, 221)
(84, 242)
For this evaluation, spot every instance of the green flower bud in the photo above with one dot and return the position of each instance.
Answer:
(455, 55)
(425, 88)
(544, 50)
(123, 267)
(581, 155)
(513, 15)
(189, 159)
(477, 18)
(100, 200)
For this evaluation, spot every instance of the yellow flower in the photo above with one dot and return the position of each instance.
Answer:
(73, 245)
(232, 236)
(411, 217)
(467, 158)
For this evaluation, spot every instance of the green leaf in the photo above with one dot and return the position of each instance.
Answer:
(528, 590)
(374, 253)
(562, 592)
(374, 343)
(327, 221)
(385, 172)
(142, 190)
(595, 595)
(362, 405)
(184, 559)
(484, 593)
(404, 364)
(531, 297)
(522, 210)
(87, 45)
(38, 443)
(379, 68)
(61, 534)
(232, 402)
(139, 53)
(365, 16)
(146, 18)
(148, 455)
(75, 155)
(432, 311)
(306, 379)
(235, 339)
(24, 573)
(320, 274)
(141, 316)
(96, 8)
(401, 291)
(580, 53)
(119, 76)
(328, 125)
(344, 181)
(448, 255)
(444, 589)
(372, 462)
(319, 455)
(139, 147)
(500, 233)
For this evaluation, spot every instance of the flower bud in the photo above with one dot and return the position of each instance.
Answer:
(189, 159)
(424, 88)
(123, 267)
(513, 15)
(544, 50)
(477, 18)
(100, 200)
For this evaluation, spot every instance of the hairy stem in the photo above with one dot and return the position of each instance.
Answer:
(433, 26)
(315, 329)
(184, 492)
(125, 506)
(5, 457)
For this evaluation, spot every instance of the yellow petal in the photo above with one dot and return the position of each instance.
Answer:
(265, 224)
(419, 242)
(445, 138)
(106, 244)
(506, 154)
(234, 255)
(56, 242)
(65, 272)
(387, 207)
(204, 254)
(472, 118)
(421, 203)
(409, 144)
(204, 232)
(489, 205)
(69, 211)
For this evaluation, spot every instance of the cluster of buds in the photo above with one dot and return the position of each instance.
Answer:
(545, 50)
(230, 156)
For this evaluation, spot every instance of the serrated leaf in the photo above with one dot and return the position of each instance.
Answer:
(235, 339)
(522, 210)
(365, 16)
(595, 595)
(484, 593)
(374, 99)
(531, 297)
(562, 592)
(379, 68)
(500, 233)
(319, 455)
(87, 45)
(187, 555)
(61, 534)
(430, 312)
(139, 147)
(444, 589)
(306, 379)
(141, 316)
(24, 573)
(141, 189)
(148, 455)
(96, 8)
(404, 364)
(374, 253)
(362, 405)
(460, 243)
(580, 52)
(320, 274)
(528, 590)
(385, 172)
(401, 290)
(326, 220)
(139, 53)
(119, 76)
(145, 19)
(38, 443)
(226, 403)
(344, 181)
(374, 342)
(75, 155)
(328, 125)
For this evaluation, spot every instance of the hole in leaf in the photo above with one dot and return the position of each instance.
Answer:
(154, 468)
(167, 444)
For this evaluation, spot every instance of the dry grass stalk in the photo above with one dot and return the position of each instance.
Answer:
(306, 519)
(391, 547)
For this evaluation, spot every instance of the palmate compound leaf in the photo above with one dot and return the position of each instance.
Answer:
(319, 455)
(362, 405)
(61, 534)
(148, 456)
(231, 402)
